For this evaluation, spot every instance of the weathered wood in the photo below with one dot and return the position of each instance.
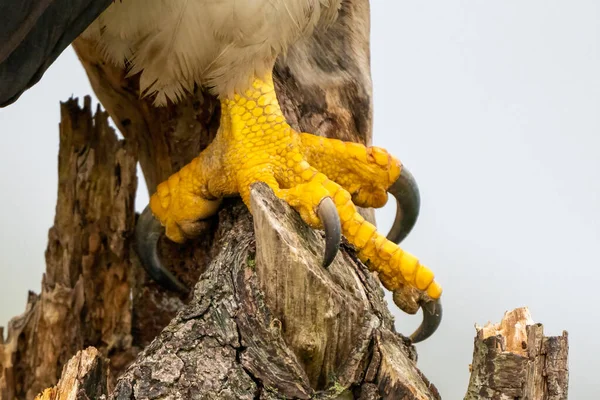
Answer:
(84, 377)
(514, 360)
(85, 291)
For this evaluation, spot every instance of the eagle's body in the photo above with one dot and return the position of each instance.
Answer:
(230, 46)
(222, 44)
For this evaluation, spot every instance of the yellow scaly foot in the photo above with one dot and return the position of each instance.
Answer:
(254, 143)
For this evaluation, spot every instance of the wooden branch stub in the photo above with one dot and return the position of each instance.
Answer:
(514, 360)
(324, 314)
(84, 377)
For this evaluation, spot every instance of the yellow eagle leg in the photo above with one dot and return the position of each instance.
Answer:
(254, 143)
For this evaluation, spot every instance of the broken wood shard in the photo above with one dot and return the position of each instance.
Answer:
(514, 360)
(84, 375)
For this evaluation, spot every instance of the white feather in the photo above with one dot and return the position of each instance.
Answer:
(222, 44)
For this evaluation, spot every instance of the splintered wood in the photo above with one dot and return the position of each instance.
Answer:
(84, 375)
(514, 360)
(85, 293)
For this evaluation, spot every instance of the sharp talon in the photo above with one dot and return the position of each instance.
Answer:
(147, 233)
(333, 229)
(432, 317)
(408, 202)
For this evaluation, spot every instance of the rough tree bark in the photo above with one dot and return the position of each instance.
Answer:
(85, 296)
(264, 321)
(514, 360)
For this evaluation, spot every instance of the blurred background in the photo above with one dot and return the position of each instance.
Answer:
(495, 108)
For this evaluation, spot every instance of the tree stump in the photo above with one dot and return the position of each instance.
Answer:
(268, 322)
(514, 360)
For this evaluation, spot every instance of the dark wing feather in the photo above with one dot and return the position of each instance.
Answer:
(33, 33)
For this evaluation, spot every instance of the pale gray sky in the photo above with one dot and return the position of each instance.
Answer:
(494, 106)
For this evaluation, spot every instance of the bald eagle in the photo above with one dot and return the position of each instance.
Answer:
(230, 47)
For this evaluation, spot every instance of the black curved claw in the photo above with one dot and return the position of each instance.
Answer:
(147, 233)
(333, 229)
(408, 202)
(432, 317)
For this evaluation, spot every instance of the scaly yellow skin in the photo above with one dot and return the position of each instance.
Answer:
(254, 143)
